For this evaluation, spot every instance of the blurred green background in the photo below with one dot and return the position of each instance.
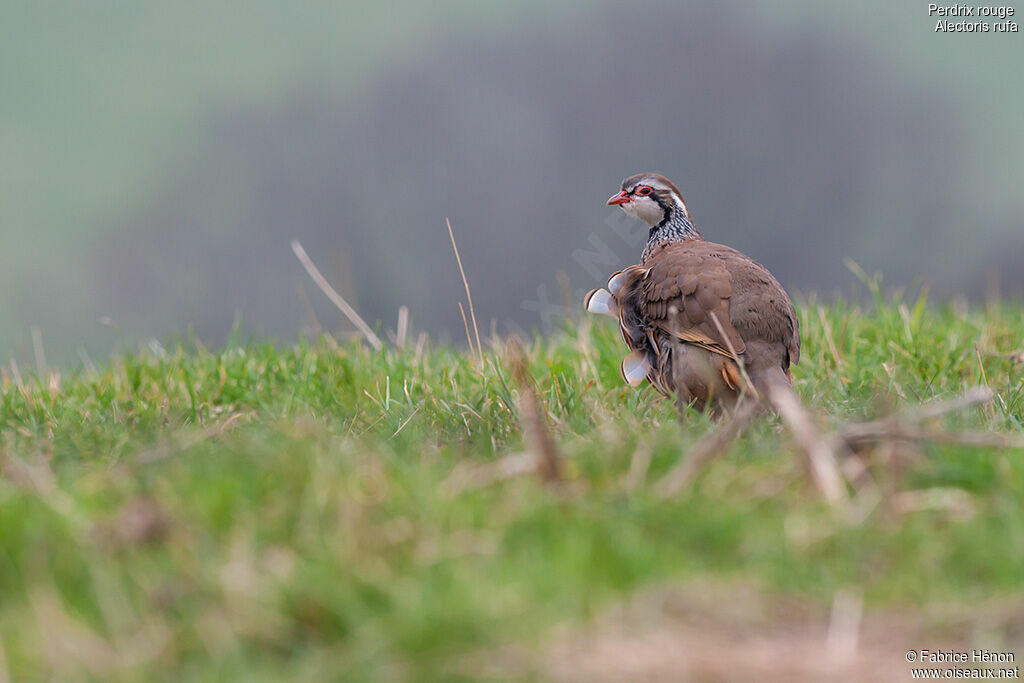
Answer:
(159, 157)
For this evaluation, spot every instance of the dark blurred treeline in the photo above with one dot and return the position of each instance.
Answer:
(798, 149)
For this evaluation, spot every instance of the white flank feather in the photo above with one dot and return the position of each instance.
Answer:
(635, 368)
(601, 301)
(616, 281)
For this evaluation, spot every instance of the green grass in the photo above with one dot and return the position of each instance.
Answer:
(264, 513)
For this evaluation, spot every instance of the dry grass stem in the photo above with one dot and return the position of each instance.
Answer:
(981, 366)
(16, 374)
(421, 347)
(532, 417)
(472, 477)
(465, 325)
(971, 397)
(407, 420)
(469, 296)
(829, 338)
(638, 466)
(335, 298)
(748, 386)
(403, 326)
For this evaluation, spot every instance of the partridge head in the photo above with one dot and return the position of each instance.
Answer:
(656, 201)
(649, 197)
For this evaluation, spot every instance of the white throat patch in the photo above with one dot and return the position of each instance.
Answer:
(646, 209)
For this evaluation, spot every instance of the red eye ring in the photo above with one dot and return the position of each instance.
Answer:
(644, 190)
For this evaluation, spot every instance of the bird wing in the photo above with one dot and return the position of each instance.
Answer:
(685, 295)
(704, 295)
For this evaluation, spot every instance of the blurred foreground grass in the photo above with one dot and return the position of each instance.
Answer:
(262, 513)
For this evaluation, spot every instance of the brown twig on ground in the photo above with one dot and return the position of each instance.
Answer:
(867, 432)
(708, 448)
(335, 298)
(532, 416)
(819, 448)
(891, 435)
(971, 397)
(907, 425)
